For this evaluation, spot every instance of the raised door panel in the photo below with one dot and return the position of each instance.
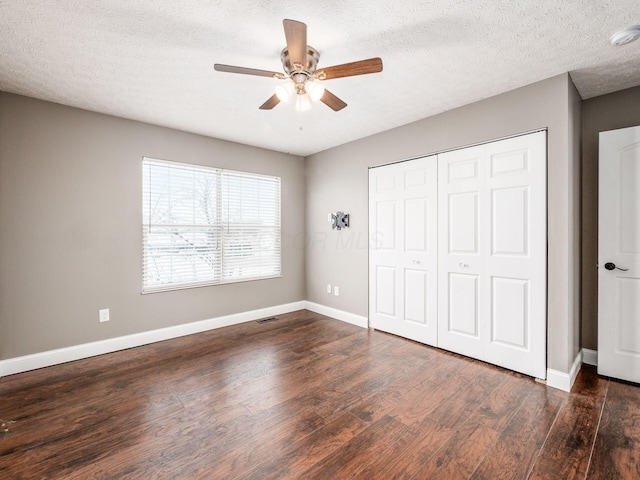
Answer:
(416, 225)
(385, 183)
(416, 179)
(463, 305)
(385, 221)
(462, 223)
(510, 312)
(629, 201)
(463, 168)
(509, 161)
(385, 291)
(509, 221)
(626, 326)
(415, 296)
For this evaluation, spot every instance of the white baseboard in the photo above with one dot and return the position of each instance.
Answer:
(564, 381)
(86, 350)
(352, 318)
(590, 357)
(555, 378)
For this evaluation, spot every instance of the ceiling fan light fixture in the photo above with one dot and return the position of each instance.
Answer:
(626, 35)
(315, 90)
(303, 102)
(284, 91)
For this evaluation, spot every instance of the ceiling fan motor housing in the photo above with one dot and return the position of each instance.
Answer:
(312, 62)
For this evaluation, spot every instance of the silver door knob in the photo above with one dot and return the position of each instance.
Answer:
(462, 265)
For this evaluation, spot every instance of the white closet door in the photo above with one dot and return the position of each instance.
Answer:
(403, 250)
(492, 253)
(619, 255)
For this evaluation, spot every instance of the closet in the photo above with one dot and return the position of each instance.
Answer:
(457, 255)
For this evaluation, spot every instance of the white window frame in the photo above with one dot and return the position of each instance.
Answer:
(241, 243)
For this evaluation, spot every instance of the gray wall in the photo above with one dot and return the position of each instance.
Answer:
(337, 179)
(70, 227)
(575, 235)
(608, 112)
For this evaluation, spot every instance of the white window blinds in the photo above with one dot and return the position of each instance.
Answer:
(204, 226)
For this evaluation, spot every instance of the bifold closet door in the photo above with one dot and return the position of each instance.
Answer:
(492, 253)
(403, 250)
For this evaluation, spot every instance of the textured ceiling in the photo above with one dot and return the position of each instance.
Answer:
(152, 60)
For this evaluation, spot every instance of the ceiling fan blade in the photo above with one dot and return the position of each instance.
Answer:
(269, 104)
(331, 101)
(296, 35)
(362, 67)
(247, 71)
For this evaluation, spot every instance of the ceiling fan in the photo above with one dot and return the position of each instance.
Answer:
(300, 64)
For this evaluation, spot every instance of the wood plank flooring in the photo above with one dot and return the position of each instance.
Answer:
(309, 397)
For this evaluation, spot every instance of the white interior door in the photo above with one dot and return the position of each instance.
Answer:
(403, 250)
(492, 253)
(619, 246)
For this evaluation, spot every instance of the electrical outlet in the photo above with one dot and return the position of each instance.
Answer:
(336, 291)
(103, 315)
(328, 288)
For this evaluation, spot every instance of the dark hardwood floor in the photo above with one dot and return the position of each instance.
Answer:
(308, 397)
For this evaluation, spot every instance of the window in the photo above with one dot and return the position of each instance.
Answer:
(206, 226)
